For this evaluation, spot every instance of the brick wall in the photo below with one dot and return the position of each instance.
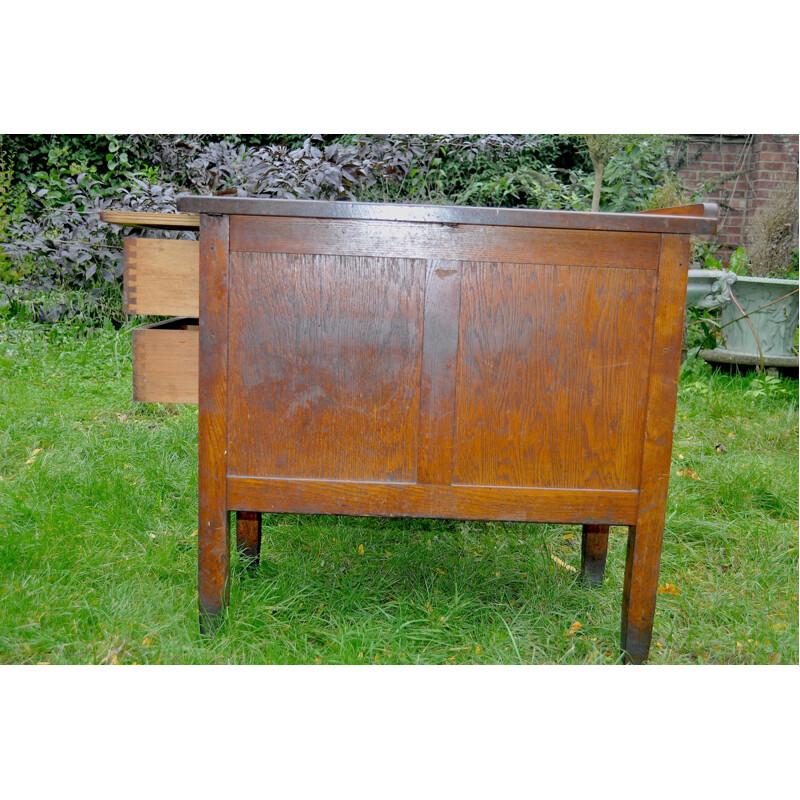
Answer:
(740, 172)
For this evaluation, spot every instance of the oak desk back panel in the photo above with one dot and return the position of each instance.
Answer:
(458, 387)
(439, 362)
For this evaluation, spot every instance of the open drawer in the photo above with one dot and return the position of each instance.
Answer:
(161, 277)
(166, 361)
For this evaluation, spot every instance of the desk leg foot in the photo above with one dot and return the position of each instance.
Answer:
(213, 569)
(641, 588)
(248, 536)
(209, 623)
(594, 548)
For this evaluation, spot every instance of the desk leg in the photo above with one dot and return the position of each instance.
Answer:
(214, 558)
(644, 538)
(213, 568)
(594, 548)
(641, 588)
(248, 535)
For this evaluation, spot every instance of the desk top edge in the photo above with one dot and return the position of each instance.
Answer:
(701, 219)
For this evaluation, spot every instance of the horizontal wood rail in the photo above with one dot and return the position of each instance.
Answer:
(522, 504)
(515, 245)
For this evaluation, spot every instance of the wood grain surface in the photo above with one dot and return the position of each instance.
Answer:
(213, 537)
(645, 537)
(672, 221)
(165, 361)
(551, 376)
(439, 369)
(708, 211)
(148, 219)
(637, 251)
(161, 277)
(380, 499)
(437, 408)
(324, 373)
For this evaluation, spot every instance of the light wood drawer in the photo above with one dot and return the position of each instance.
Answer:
(161, 277)
(166, 361)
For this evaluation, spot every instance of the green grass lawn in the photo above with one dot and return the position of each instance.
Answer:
(98, 542)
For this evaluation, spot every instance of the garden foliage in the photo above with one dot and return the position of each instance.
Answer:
(773, 236)
(58, 260)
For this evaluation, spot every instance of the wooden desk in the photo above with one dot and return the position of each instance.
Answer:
(438, 361)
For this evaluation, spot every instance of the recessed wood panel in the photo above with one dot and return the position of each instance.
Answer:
(552, 372)
(161, 277)
(453, 241)
(324, 366)
(165, 362)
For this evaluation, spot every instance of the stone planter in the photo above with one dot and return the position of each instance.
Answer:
(771, 305)
(709, 288)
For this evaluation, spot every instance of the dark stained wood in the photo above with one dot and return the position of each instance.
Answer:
(594, 549)
(324, 366)
(708, 210)
(214, 519)
(449, 215)
(161, 277)
(644, 538)
(248, 536)
(379, 499)
(423, 361)
(165, 361)
(551, 376)
(438, 376)
(637, 251)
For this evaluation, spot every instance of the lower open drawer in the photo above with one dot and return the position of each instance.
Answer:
(166, 361)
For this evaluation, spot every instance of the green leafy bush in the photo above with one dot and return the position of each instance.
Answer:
(636, 172)
(54, 245)
(5, 189)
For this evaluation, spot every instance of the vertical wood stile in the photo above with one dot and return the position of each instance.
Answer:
(644, 539)
(438, 372)
(214, 524)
